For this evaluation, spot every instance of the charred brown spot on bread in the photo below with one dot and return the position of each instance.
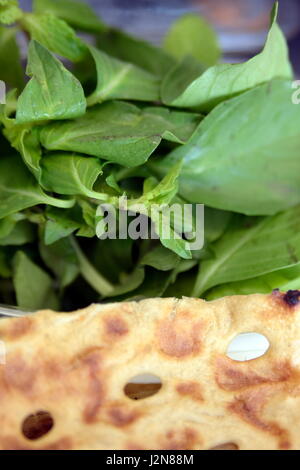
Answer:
(17, 328)
(53, 369)
(234, 376)
(249, 407)
(92, 360)
(190, 389)
(290, 299)
(18, 374)
(134, 446)
(179, 338)
(226, 446)
(37, 425)
(181, 439)
(120, 416)
(116, 326)
(95, 400)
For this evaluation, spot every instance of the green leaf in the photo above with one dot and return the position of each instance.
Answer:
(10, 11)
(56, 35)
(21, 233)
(251, 248)
(119, 132)
(11, 71)
(52, 93)
(221, 82)
(34, 288)
(283, 279)
(136, 51)
(160, 258)
(60, 224)
(8, 223)
(192, 36)
(60, 257)
(216, 222)
(19, 190)
(71, 174)
(26, 140)
(77, 14)
(154, 204)
(179, 125)
(173, 241)
(163, 192)
(244, 156)
(88, 212)
(112, 183)
(7, 109)
(121, 80)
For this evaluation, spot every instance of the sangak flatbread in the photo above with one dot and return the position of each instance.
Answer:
(75, 366)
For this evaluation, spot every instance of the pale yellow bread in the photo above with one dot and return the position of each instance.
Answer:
(75, 366)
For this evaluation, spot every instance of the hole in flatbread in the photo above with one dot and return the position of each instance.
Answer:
(142, 386)
(37, 425)
(226, 446)
(247, 346)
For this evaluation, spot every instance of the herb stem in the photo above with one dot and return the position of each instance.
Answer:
(90, 274)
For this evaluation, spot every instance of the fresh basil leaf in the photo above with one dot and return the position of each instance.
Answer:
(22, 233)
(283, 279)
(6, 110)
(173, 240)
(221, 82)
(154, 204)
(10, 11)
(26, 140)
(119, 132)
(244, 156)
(60, 224)
(77, 14)
(19, 190)
(11, 71)
(55, 35)
(216, 222)
(251, 248)
(163, 192)
(8, 223)
(52, 93)
(62, 260)
(88, 212)
(34, 288)
(160, 258)
(122, 80)
(71, 174)
(112, 183)
(179, 125)
(191, 35)
(136, 51)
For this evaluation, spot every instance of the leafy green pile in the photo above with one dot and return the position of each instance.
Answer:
(121, 117)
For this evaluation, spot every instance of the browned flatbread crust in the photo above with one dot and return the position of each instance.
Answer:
(75, 366)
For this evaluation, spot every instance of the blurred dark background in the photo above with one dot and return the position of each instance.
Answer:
(241, 24)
